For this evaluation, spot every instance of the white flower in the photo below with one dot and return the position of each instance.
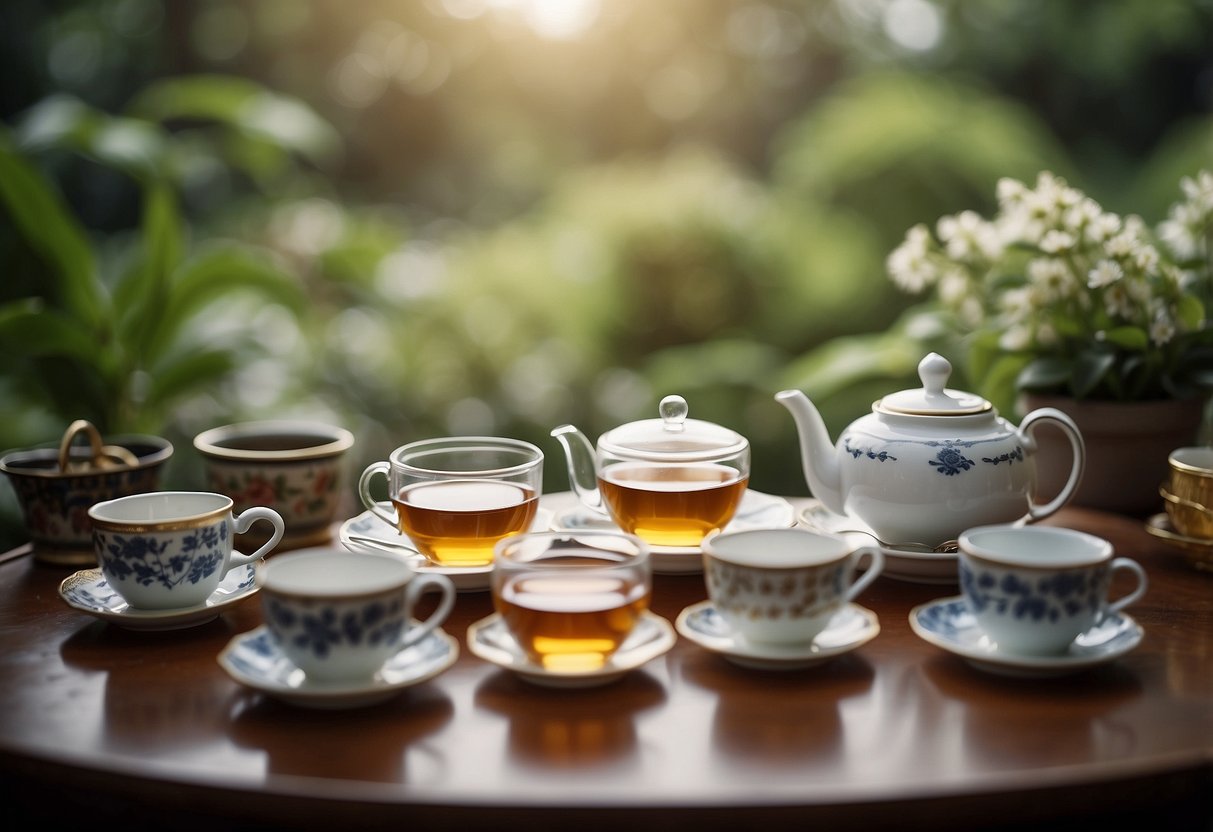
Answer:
(1057, 241)
(1082, 215)
(1105, 273)
(1146, 258)
(908, 264)
(1052, 280)
(1102, 227)
(1199, 191)
(1162, 329)
(1015, 338)
(1010, 190)
(953, 287)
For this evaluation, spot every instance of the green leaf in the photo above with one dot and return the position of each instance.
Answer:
(214, 273)
(1129, 337)
(1190, 312)
(47, 226)
(1091, 368)
(244, 106)
(29, 329)
(134, 146)
(1043, 374)
(142, 292)
(189, 372)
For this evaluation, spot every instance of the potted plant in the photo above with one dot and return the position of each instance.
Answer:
(1069, 305)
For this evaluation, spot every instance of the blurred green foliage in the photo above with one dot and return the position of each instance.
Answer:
(459, 216)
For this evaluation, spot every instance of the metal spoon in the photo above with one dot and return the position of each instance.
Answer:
(948, 547)
(390, 545)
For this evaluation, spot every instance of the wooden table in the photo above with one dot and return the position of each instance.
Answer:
(106, 725)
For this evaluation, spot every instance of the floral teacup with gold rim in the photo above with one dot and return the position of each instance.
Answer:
(169, 550)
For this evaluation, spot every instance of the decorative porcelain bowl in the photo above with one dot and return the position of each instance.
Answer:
(55, 502)
(293, 467)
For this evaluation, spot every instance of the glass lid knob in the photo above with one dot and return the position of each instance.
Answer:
(673, 410)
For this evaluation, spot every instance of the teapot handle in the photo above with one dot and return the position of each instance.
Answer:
(1052, 414)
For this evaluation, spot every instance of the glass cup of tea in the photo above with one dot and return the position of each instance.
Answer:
(570, 599)
(456, 497)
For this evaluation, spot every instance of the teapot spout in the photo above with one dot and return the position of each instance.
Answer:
(579, 455)
(817, 452)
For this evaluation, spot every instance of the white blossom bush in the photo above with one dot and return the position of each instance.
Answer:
(1082, 301)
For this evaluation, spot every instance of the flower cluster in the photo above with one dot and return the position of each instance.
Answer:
(1108, 306)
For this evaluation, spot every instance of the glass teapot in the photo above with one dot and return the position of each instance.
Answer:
(670, 481)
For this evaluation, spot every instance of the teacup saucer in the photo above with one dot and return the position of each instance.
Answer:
(367, 533)
(915, 565)
(948, 624)
(1198, 551)
(88, 591)
(756, 511)
(850, 628)
(489, 639)
(253, 659)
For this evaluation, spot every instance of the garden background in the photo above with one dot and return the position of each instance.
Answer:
(426, 217)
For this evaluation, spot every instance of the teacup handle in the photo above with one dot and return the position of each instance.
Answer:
(244, 521)
(1052, 414)
(1127, 565)
(412, 594)
(364, 491)
(875, 567)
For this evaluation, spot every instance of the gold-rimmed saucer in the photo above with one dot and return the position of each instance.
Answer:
(1198, 551)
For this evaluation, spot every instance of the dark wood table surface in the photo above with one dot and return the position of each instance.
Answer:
(103, 725)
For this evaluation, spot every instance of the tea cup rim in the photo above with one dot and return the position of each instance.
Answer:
(337, 440)
(220, 506)
(1097, 550)
(1179, 464)
(712, 548)
(283, 587)
(162, 449)
(396, 458)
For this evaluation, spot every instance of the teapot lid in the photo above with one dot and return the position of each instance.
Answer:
(673, 437)
(934, 398)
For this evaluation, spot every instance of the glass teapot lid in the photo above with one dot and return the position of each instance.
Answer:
(672, 438)
(934, 398)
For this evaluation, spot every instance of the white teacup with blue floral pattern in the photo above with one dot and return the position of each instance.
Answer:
(339, 616)
(1034, 589)
(167, 550)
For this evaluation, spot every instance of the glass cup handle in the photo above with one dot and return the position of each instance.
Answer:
(364, 491)
(416, 588)
(244, 521)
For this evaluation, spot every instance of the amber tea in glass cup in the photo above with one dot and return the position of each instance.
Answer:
(456, 497)
(571, 599)
(672, 505)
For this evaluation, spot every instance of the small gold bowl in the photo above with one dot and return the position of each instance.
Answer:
(1189, 491)
(1190, 518)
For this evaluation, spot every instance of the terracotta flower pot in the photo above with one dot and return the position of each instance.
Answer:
(1127, 447)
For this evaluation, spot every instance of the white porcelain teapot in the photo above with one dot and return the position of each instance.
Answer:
(928, 463)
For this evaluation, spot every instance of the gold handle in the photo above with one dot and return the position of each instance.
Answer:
(103, 456)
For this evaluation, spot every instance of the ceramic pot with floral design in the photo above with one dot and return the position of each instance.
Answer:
(293, 467)
(55, 497)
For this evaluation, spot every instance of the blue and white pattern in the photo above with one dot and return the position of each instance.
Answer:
(951, 458)
(157, 560)
(328, 626)
(1050, 598)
